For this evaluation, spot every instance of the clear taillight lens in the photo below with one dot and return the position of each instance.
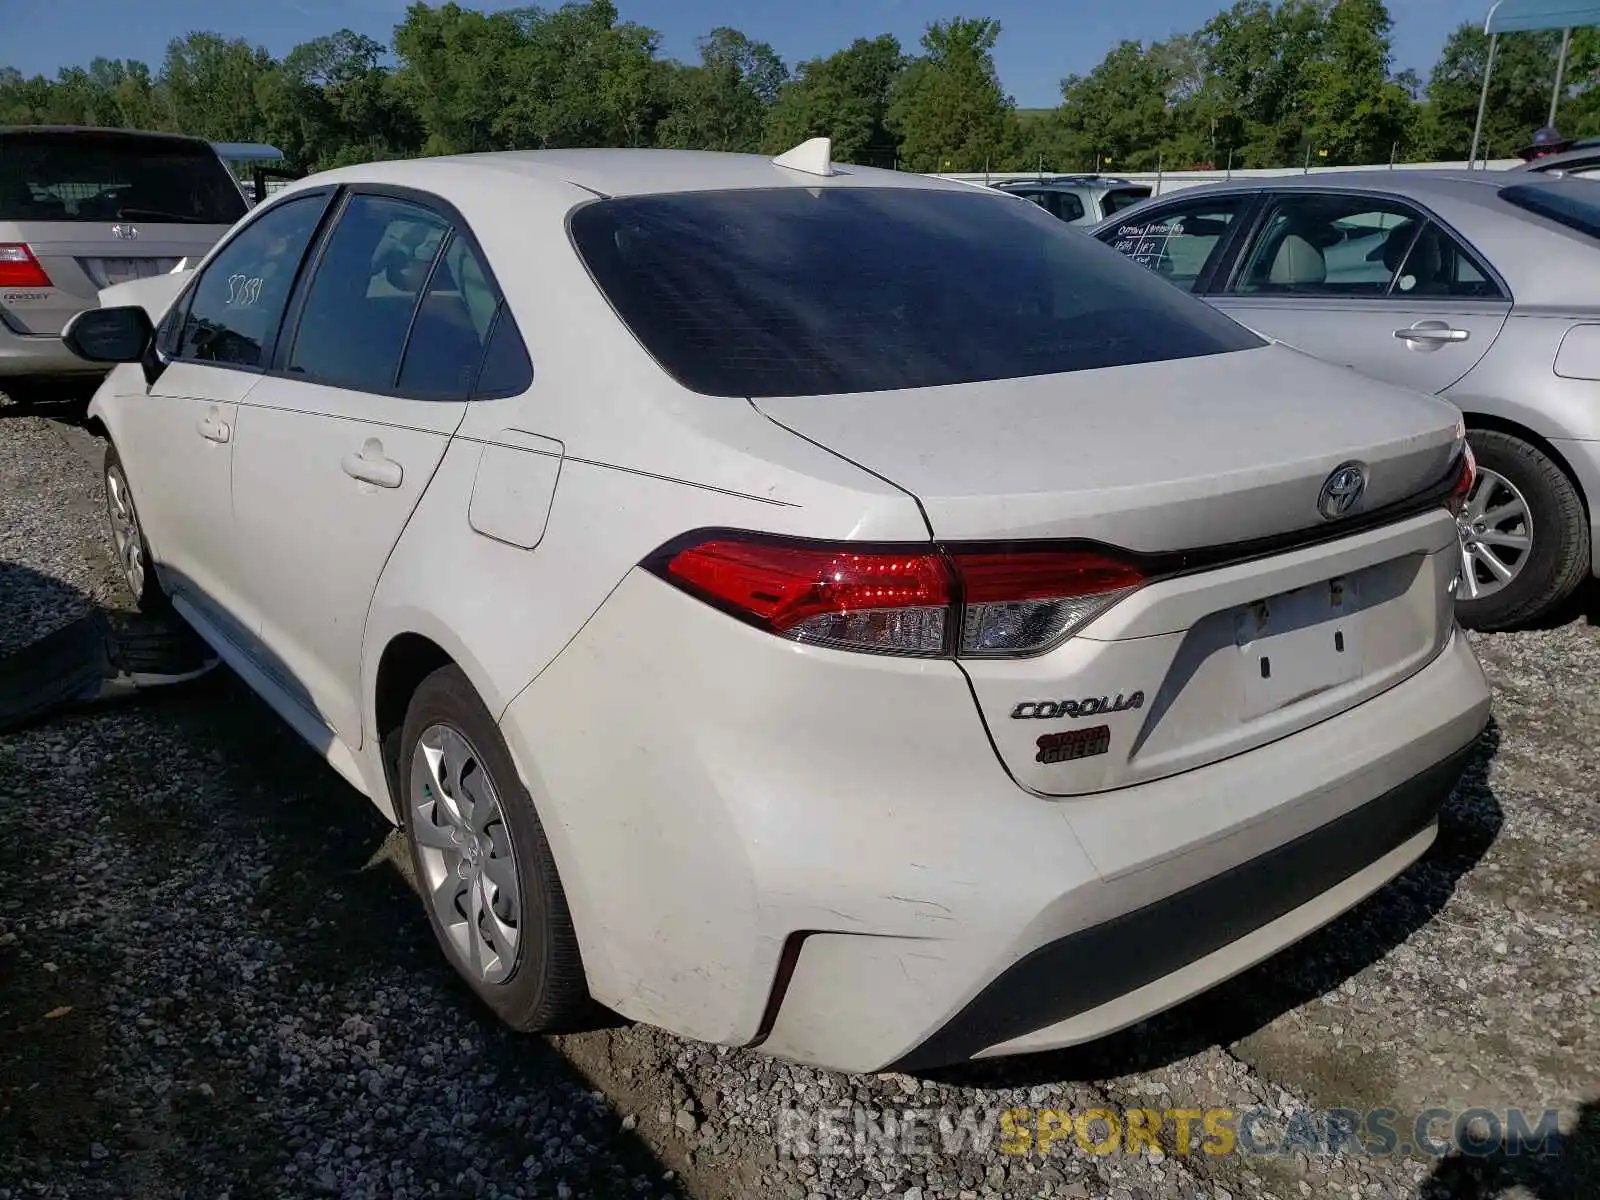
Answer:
(904, 601)
(19, 268)
(1018, 603)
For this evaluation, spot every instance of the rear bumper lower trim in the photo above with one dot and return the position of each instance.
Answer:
(1086, 969)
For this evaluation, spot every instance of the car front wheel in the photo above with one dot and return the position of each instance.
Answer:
(482, 863)
(1524, 535)
(127, 538)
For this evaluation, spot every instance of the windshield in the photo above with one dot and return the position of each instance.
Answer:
(813, 291)
(89, 176)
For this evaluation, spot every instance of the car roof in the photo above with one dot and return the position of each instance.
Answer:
(615, 173)
(1071, 184)
(102, 131)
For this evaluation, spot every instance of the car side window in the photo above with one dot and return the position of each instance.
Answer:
(1315, 244)
(506, 368)
(452, 326)
(1069, 206)
(1181, 242)
(358, 309)
(232, 311)
(1438, 265)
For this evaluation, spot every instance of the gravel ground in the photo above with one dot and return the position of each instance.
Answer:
(214, 980)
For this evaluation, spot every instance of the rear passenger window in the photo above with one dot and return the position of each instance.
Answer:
(506, 367)
(240, 296)
(1329, 245)
(358, 310)
(1069, 206)
(451, 328)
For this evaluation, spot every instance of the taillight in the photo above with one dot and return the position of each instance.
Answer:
(1466, 476)
(1020, 602)
(905, 601)
(19, 268)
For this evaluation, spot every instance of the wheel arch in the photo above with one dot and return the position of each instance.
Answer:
(1493, 424)
(408, 656)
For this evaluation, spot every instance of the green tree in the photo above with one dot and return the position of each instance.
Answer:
(844, 97)
(459, 71)
(213, 86)
(721, 104)
(948, 108)
(1118, 114)
(1519, 91)
(1355, 111)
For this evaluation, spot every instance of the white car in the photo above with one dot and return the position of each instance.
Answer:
(816, 608)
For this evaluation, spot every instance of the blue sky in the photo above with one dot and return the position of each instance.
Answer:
(1040, 42)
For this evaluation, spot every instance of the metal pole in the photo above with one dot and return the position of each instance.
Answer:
(1230, 162)
(1561, 66)
(1158, 175)
(1483, 101)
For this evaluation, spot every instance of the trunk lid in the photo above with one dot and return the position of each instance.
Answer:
(1152, 457)
(1194, 666)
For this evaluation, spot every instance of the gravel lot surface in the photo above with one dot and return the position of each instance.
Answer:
(214, 980)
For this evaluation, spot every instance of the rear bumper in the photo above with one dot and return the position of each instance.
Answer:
(1296, 887)
(819, 853)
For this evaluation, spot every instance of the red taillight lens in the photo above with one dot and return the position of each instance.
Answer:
(1467, 476)
(19, 268)
(1022, 602)
(905, 601)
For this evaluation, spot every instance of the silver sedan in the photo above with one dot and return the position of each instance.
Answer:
(1482, 287)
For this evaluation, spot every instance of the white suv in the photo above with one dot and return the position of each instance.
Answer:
(807, 607)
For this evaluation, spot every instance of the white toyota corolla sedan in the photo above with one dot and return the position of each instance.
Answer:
(808, 607)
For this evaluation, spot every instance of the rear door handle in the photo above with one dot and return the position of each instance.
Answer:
(373, 466)
(213, 428)
(1431, 335)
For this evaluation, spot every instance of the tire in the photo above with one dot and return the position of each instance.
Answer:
(536, 982)
(128, 541)
(1557, 559)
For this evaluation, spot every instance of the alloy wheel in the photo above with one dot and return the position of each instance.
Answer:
(1496, 528)
(126, 537)
(464, 849)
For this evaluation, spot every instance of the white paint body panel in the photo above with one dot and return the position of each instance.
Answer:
(711, 791)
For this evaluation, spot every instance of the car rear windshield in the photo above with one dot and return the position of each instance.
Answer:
(106, 177)
(813, 291)
(1566, 201)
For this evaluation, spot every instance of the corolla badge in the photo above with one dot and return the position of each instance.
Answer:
(1342, 490)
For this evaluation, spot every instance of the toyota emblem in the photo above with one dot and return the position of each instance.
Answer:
(124, 232)
(1342, 490)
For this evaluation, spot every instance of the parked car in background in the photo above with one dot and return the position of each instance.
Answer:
(82, 209)
(1582, 161)
(1078, 199)
(691, 552)
(1481, 287)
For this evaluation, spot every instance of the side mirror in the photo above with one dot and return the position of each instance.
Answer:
(109, 335)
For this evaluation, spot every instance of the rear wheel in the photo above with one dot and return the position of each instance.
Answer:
(483, 865)
(1524, 535)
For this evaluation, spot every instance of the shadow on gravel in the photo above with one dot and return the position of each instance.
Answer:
(351, 953)
(1468, 825)
(1572, 1172)
(1583, 605)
